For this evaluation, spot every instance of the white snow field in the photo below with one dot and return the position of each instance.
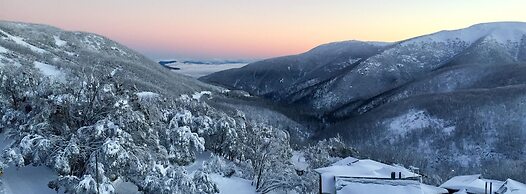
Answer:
(233, 185)
(21, 42)
(27, 180)
(50, 71)
(59, 42)
(3, 50)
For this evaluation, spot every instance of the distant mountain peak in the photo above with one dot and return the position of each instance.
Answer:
(494, 25)
(502, 32)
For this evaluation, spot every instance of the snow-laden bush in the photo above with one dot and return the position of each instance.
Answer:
(327, 151)
(94, 130)
(174, 179)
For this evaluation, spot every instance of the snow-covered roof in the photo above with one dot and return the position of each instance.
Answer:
(428, 189)
(351, 167)
(459, 182)
(471, 183)
(512, 187)
(345, 162)
(399, 187)
(372, 186)
(463, 191)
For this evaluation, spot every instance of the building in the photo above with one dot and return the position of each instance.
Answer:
(352, 175)
(512, 187)
(473, 184)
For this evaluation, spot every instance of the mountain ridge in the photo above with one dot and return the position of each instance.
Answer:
(74, 52)
(452, 95)
(402, 57)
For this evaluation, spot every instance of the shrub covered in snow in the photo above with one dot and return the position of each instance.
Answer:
(95, 130)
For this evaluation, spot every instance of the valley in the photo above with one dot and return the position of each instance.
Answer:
(453, 96)
(89, 113)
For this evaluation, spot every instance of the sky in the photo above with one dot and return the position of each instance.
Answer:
(250, 29)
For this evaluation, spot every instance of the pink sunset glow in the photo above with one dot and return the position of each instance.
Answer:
(250, 29)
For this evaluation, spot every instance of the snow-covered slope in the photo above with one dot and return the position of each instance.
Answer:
(350, 73)
(57, 53)
(497, 43)
(456, 97)
(272, 77)
(502, 32)
(83, 54)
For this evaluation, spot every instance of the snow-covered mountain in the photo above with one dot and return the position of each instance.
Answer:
(58, 53)
(346, 75)
(450, 103)
(93, 116)
(454, 97)
(270, 77)
(55, 51)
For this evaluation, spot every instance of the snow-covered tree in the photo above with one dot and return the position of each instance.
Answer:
(174, 179)
(203, 183)
(92, 130)
(183, 145)
(267, 151)
(327, 151)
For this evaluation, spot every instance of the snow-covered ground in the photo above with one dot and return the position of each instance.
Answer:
(25, 180)
(3, 50)
(417, 119)
(198, 95)
(200, 70)
(59, 42)
(226, 185)
(122, 187)
(21, 42)
(50, 71)
(233, 185)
